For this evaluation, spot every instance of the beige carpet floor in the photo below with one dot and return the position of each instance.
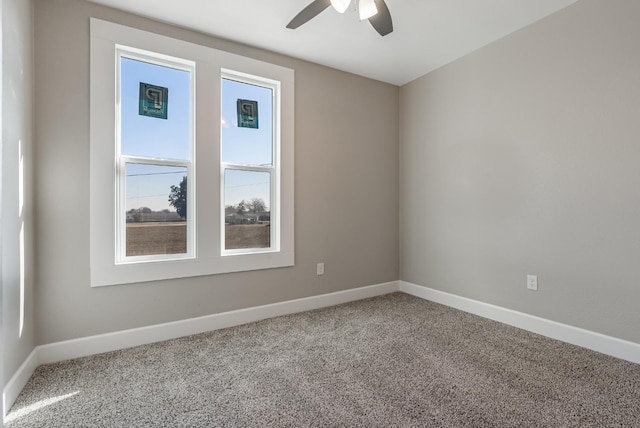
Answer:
(390, 361)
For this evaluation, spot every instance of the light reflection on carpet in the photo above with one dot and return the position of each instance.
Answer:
(17, 414)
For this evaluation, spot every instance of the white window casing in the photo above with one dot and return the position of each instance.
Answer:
(205, 223)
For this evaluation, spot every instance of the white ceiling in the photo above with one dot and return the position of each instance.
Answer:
(427, 33)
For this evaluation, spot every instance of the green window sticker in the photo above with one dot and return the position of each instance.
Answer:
(247, 114)
(154, 101)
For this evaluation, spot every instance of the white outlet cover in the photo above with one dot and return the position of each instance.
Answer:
(532, 282)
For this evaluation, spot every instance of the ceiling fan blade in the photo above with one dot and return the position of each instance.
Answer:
(308, 13)
(381, 21)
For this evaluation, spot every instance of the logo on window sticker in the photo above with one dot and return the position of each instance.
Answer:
(154, 101)
(247, 114)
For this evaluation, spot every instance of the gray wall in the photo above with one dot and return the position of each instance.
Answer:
(17, 124)
(523, 158)
(346, 178)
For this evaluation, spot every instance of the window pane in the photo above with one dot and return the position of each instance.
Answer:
(155, 110)
(247, 123)
(156, 209)
(247, 201)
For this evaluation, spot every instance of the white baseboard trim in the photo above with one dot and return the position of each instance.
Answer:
(18, 381)
(82, 347)
(613, 346)
(98, 344)
(59, 351)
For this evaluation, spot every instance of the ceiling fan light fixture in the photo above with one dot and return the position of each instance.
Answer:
(366, 9)
(340, 5)
(376, 11)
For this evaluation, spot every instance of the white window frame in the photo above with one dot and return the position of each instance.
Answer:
(273, 169)
(123, 160)
(207, 256)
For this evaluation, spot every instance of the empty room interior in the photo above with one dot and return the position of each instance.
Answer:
(398, 213)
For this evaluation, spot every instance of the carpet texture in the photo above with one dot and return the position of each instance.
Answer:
(390, 361)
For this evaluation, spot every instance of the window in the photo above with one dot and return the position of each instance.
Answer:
(191, 159)
(154, 151)
(248, 138)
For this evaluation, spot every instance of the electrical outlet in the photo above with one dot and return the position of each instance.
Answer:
(532, 282)
(320, 269)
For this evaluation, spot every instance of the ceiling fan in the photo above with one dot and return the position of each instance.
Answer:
(376, 11)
